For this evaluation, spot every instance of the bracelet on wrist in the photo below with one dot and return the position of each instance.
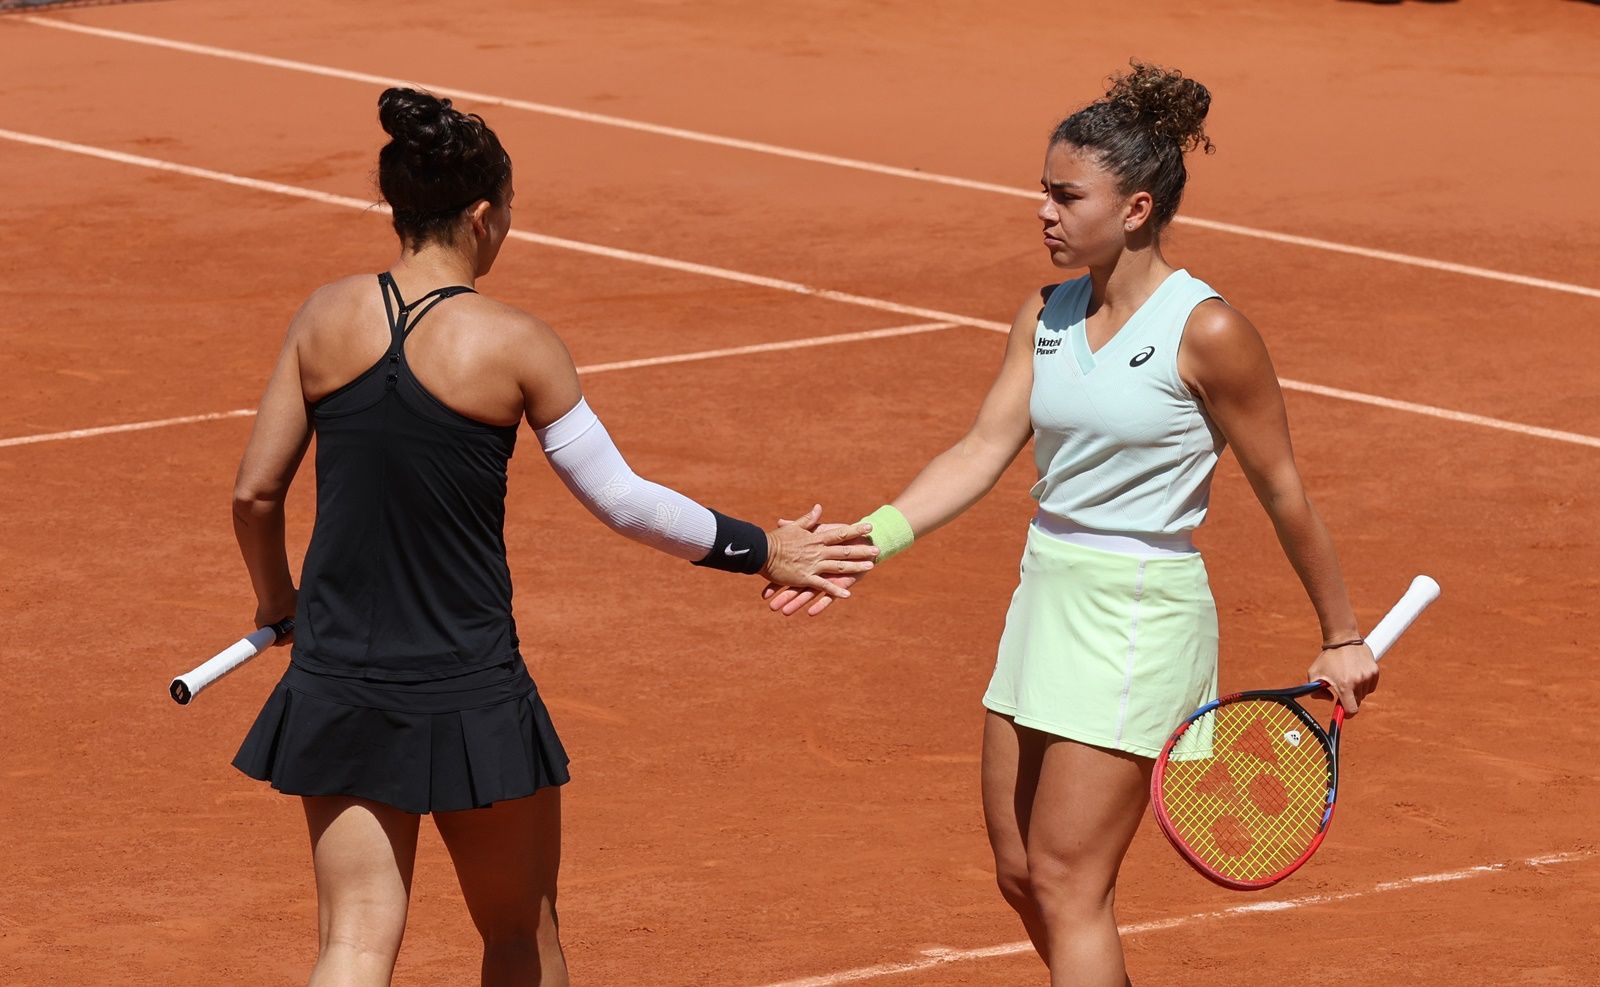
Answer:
(1344, 644)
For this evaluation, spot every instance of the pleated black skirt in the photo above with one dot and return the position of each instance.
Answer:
(437, 746)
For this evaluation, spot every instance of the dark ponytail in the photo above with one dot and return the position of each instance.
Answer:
(1141, 129)
(438, 162)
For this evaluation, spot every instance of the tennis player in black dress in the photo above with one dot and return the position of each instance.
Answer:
(406, 693)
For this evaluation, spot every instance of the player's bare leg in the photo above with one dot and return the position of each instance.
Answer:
(363, 853)
(507, 857)
(1087, 806)
(1011, 760)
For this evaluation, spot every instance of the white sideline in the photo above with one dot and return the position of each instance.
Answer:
(778, 284)
(777, 150)
(940, 956)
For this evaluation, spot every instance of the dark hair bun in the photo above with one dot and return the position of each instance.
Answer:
(417, 119)
(1165, 102)
(438, 162)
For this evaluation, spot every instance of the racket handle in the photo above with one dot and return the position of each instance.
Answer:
(1423, 591)
(190, 684)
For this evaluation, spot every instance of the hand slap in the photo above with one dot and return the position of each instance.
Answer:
(842, 573)
(804, 552)
(788, 601)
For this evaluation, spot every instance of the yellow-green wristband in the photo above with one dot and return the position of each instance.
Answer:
(891, 532)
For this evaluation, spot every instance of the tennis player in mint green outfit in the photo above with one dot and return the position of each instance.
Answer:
(1131, 381)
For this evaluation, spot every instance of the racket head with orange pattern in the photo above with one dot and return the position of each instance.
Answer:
(1245, 787)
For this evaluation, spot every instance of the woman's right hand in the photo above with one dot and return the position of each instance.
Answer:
(280, 607)
(803, 555)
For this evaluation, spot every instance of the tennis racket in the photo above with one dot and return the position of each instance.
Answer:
(1245, 787)
(190, 684)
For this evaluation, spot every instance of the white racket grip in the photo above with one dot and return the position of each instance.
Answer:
(190, 684)
(1423, 591)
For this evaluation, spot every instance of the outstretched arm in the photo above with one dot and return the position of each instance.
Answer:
(957, 478)
(1224, 361)
(583, 455)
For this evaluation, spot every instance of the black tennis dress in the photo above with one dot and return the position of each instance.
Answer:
(405, 683)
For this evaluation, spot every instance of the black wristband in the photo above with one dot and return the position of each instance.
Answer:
(739, 547)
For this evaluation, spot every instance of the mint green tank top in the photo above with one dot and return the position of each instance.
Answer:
(1121, 443)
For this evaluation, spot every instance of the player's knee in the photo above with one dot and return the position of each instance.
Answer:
(531, 950)
(523, 927)
(1065, 887)
(1015, 887)
(376, 939)
(372, 926)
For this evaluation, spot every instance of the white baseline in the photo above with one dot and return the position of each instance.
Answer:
(778, 150)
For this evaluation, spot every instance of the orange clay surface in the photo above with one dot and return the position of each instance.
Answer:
(757, 800)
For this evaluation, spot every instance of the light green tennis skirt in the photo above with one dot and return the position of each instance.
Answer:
(1105, 648)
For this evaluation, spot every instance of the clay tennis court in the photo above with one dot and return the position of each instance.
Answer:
(841, 194)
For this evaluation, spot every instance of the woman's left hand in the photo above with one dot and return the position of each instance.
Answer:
(1350, 672)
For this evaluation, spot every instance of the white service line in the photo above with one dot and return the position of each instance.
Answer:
(593, 368)
(941, 957)
(777, 284)
(777, 150)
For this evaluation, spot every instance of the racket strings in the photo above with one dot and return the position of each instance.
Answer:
(1256, 803)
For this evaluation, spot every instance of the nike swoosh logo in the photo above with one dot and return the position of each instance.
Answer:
(728, 550)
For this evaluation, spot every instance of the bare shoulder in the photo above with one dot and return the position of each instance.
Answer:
(514, 330)
(1222, 351)
(1033, 307)
(1026, 322)
(334, 303)
(341, 292)
(1215, 326)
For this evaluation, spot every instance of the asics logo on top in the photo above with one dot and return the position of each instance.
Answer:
(1143, 355)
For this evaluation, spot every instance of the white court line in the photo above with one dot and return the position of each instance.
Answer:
(1444, 413)
(782, 344)
(87, 433)
(941, 957)
(778, 284)
(593, 368)
(777, 150)
(560, 243)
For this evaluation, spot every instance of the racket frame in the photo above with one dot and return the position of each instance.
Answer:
(1328, 738)
(1417, 598)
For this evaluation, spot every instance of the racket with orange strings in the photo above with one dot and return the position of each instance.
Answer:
(1245, 787)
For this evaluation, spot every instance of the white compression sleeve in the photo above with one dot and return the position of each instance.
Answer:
(581, 452)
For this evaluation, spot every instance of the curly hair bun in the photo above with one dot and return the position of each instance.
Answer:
(438, 162)
(419, 120)
(1170, 105)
